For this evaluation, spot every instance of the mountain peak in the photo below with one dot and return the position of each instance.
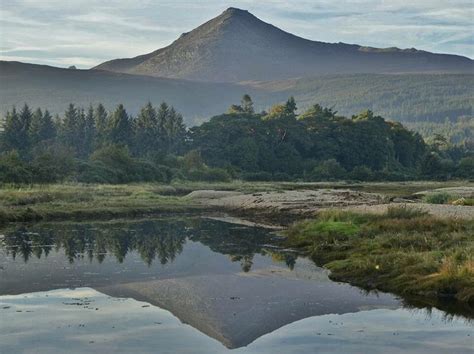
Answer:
(237, 14)
(237, 46)
(236, 11)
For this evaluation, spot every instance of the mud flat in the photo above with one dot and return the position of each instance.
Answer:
(306, 203)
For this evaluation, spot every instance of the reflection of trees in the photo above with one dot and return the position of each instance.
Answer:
(238, 242)
(82, 241)
(155, 239)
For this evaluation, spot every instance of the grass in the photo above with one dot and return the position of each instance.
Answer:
(83, 202)
(446, 198)
(403, 251)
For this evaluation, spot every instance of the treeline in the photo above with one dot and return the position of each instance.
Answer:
(96, 146)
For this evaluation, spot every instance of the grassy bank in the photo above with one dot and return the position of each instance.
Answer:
(87, 202)
(404, 251)
(94, 201)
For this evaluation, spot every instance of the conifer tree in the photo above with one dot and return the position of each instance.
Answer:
(147, 131)
(101, 123)
(34, 131)
(120, 127)
(11, 135)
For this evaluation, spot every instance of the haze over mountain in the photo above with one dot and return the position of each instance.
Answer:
(403, 97)
(237, 46)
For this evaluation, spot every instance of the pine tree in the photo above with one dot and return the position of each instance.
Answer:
(70, 125)
(25, 122)
(247, 104)
(290, 107)
(101, 123)
(176, 131)
(12, 131)
(89, 132)
(120, 127)
(34, 131)
(147, 132)
(48, 128)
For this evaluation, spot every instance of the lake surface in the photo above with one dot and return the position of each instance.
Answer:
(194, 285)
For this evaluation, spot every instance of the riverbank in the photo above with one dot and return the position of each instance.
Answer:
(279, 201)
(376, 236)
(403, 251)
(88, 202)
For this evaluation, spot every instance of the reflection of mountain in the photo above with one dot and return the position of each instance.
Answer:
(212, 275)
(236, 309)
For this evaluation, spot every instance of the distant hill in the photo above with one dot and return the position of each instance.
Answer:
(53, 88)
(237, 46)
(402, 97)
(407, 97)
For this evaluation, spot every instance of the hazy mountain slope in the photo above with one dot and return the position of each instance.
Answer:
(420, 97)
(54, 88)
(402, 97)
(237, 46)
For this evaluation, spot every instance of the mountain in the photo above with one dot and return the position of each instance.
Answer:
(237, 46)
(401, 97)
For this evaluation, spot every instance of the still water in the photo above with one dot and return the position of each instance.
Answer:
(194, 285)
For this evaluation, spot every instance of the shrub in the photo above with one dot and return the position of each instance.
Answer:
(13, 169)
(465, 168)
(437, 198)
(361, 173)
(328, 170)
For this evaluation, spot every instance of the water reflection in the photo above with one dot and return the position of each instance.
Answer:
(222, 279)
(152, 240)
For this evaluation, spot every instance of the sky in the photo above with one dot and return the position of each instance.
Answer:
(87, 32)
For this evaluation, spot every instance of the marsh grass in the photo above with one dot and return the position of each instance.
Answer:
(403, 251)
(81, 202)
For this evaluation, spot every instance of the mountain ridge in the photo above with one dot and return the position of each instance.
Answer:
(237, 46)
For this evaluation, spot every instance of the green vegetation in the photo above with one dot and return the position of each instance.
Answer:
(403, 251)
(88, 202)
(96, 146)
(457, 131)
(446, 198)
(429, 98)
(437, 198)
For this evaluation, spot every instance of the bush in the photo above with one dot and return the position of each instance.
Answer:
(13, 169)
(465, 168)
(437, 198)
(52, 164)
(361, 173)
(328, 170)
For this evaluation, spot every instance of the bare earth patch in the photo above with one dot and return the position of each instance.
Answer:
(309, 202)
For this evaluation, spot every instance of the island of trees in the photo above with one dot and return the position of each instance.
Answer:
(95, 146)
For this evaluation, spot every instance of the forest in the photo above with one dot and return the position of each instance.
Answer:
(93, 145)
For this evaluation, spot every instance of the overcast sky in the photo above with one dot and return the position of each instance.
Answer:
(87, 32)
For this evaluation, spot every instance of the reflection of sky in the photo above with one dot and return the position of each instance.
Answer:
(47, 324)
(87, 32)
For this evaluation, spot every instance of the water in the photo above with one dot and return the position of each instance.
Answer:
(194, 285)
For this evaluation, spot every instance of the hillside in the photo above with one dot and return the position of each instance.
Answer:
(237, 46)
(409, 97)
(403, 97)
(53, 88)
